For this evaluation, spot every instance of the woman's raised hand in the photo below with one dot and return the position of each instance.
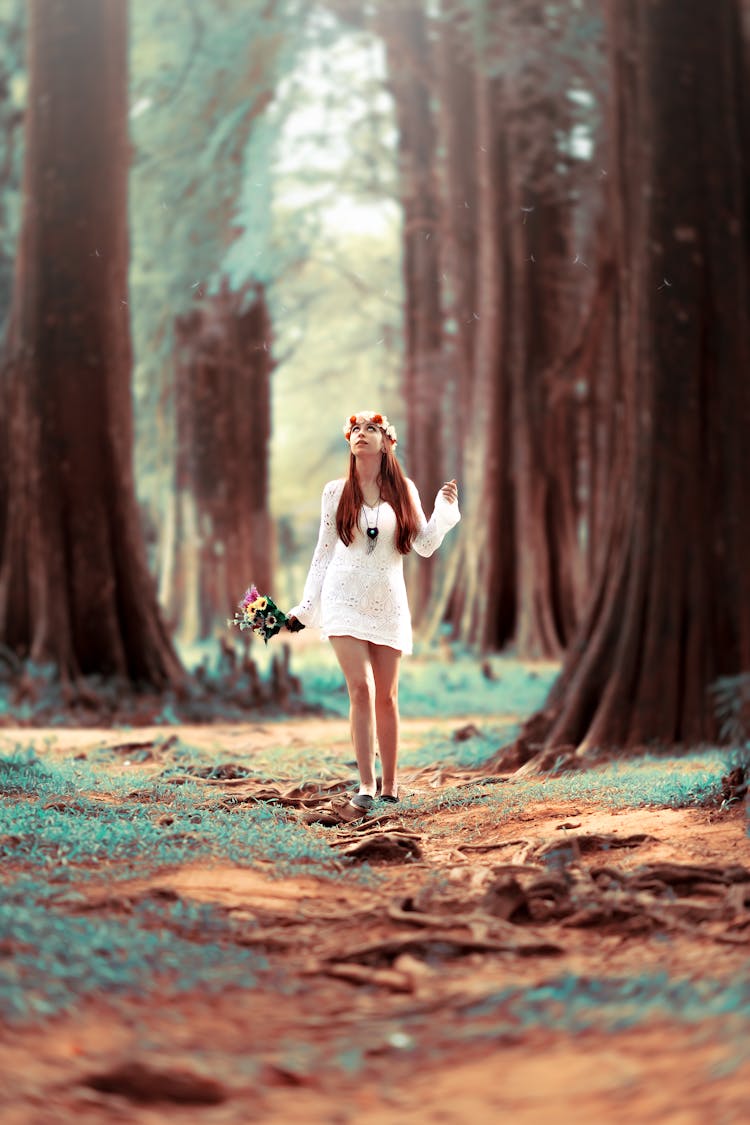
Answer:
(450, 491)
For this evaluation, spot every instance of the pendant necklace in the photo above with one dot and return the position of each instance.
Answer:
(372, 532)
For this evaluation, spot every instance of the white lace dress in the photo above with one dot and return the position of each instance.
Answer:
(351, 593)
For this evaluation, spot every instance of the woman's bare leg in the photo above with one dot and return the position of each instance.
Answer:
(386, 663)
(354, 657)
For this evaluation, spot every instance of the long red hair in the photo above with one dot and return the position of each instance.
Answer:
(393, 490)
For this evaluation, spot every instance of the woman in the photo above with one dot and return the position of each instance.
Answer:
(355, 591)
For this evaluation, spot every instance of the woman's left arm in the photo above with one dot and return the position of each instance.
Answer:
(445, 516)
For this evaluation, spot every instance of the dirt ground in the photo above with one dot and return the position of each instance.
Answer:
(394, 1000)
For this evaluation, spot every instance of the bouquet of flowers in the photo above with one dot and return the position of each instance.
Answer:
(259, 613)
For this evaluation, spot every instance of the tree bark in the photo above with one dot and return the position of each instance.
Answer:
(545, 281)
(458, 145)
(459, 236)
(519, 573)
(534, 253)
(485, 590)
(408, 57)
(74, 586)
(222, 539)
(671, 611)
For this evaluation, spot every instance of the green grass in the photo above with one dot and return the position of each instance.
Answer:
(650, 782)
(646, 782)
(60, 827)
(573, 1003)
(82, 828)
(436, 749)
(58, 959)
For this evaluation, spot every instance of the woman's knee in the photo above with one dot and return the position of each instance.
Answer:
(361, 691)
(386, 698)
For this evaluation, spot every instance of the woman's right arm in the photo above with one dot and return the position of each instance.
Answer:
(308, 610)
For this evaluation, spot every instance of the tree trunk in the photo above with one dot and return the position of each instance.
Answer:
(545, 281)
(74, 586)
(536, 466)
(486, 586)
(550, 557)
(671, 612)
(457, 128)
(595, 370)
(223, 536)
(409, 62)
(519, 573)
(458, 147)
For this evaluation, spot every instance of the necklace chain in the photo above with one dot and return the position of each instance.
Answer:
(372, 531)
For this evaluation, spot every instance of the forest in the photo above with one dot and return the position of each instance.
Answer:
(521, 229)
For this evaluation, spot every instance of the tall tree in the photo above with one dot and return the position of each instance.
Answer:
(671, 608)
(409, 59)
(514, 288)
(477, 592)
(542, 294)
(489, 185)
(218, 531)
(74, 586)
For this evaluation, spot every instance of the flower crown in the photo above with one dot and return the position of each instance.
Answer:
(370, 416)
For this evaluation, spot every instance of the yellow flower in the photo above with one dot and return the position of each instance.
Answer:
(259, 603)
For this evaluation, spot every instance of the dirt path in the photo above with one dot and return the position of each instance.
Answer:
(470, 978)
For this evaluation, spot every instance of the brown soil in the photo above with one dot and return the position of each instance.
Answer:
(415, 999)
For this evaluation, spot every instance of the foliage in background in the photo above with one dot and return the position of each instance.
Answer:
(442, 684)
(731, 696)
(336, 291)
(12, 103)
(202, 75)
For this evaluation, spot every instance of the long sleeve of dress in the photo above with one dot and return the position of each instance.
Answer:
(308, 610)
(432, 532)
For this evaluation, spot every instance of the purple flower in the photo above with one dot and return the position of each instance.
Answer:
(250, 596)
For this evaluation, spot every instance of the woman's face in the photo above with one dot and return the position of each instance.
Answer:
(366, 437)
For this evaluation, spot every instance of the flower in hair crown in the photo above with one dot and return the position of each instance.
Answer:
(365, 416)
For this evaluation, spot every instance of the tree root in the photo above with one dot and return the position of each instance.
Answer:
(441, 945)
(383, 847)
